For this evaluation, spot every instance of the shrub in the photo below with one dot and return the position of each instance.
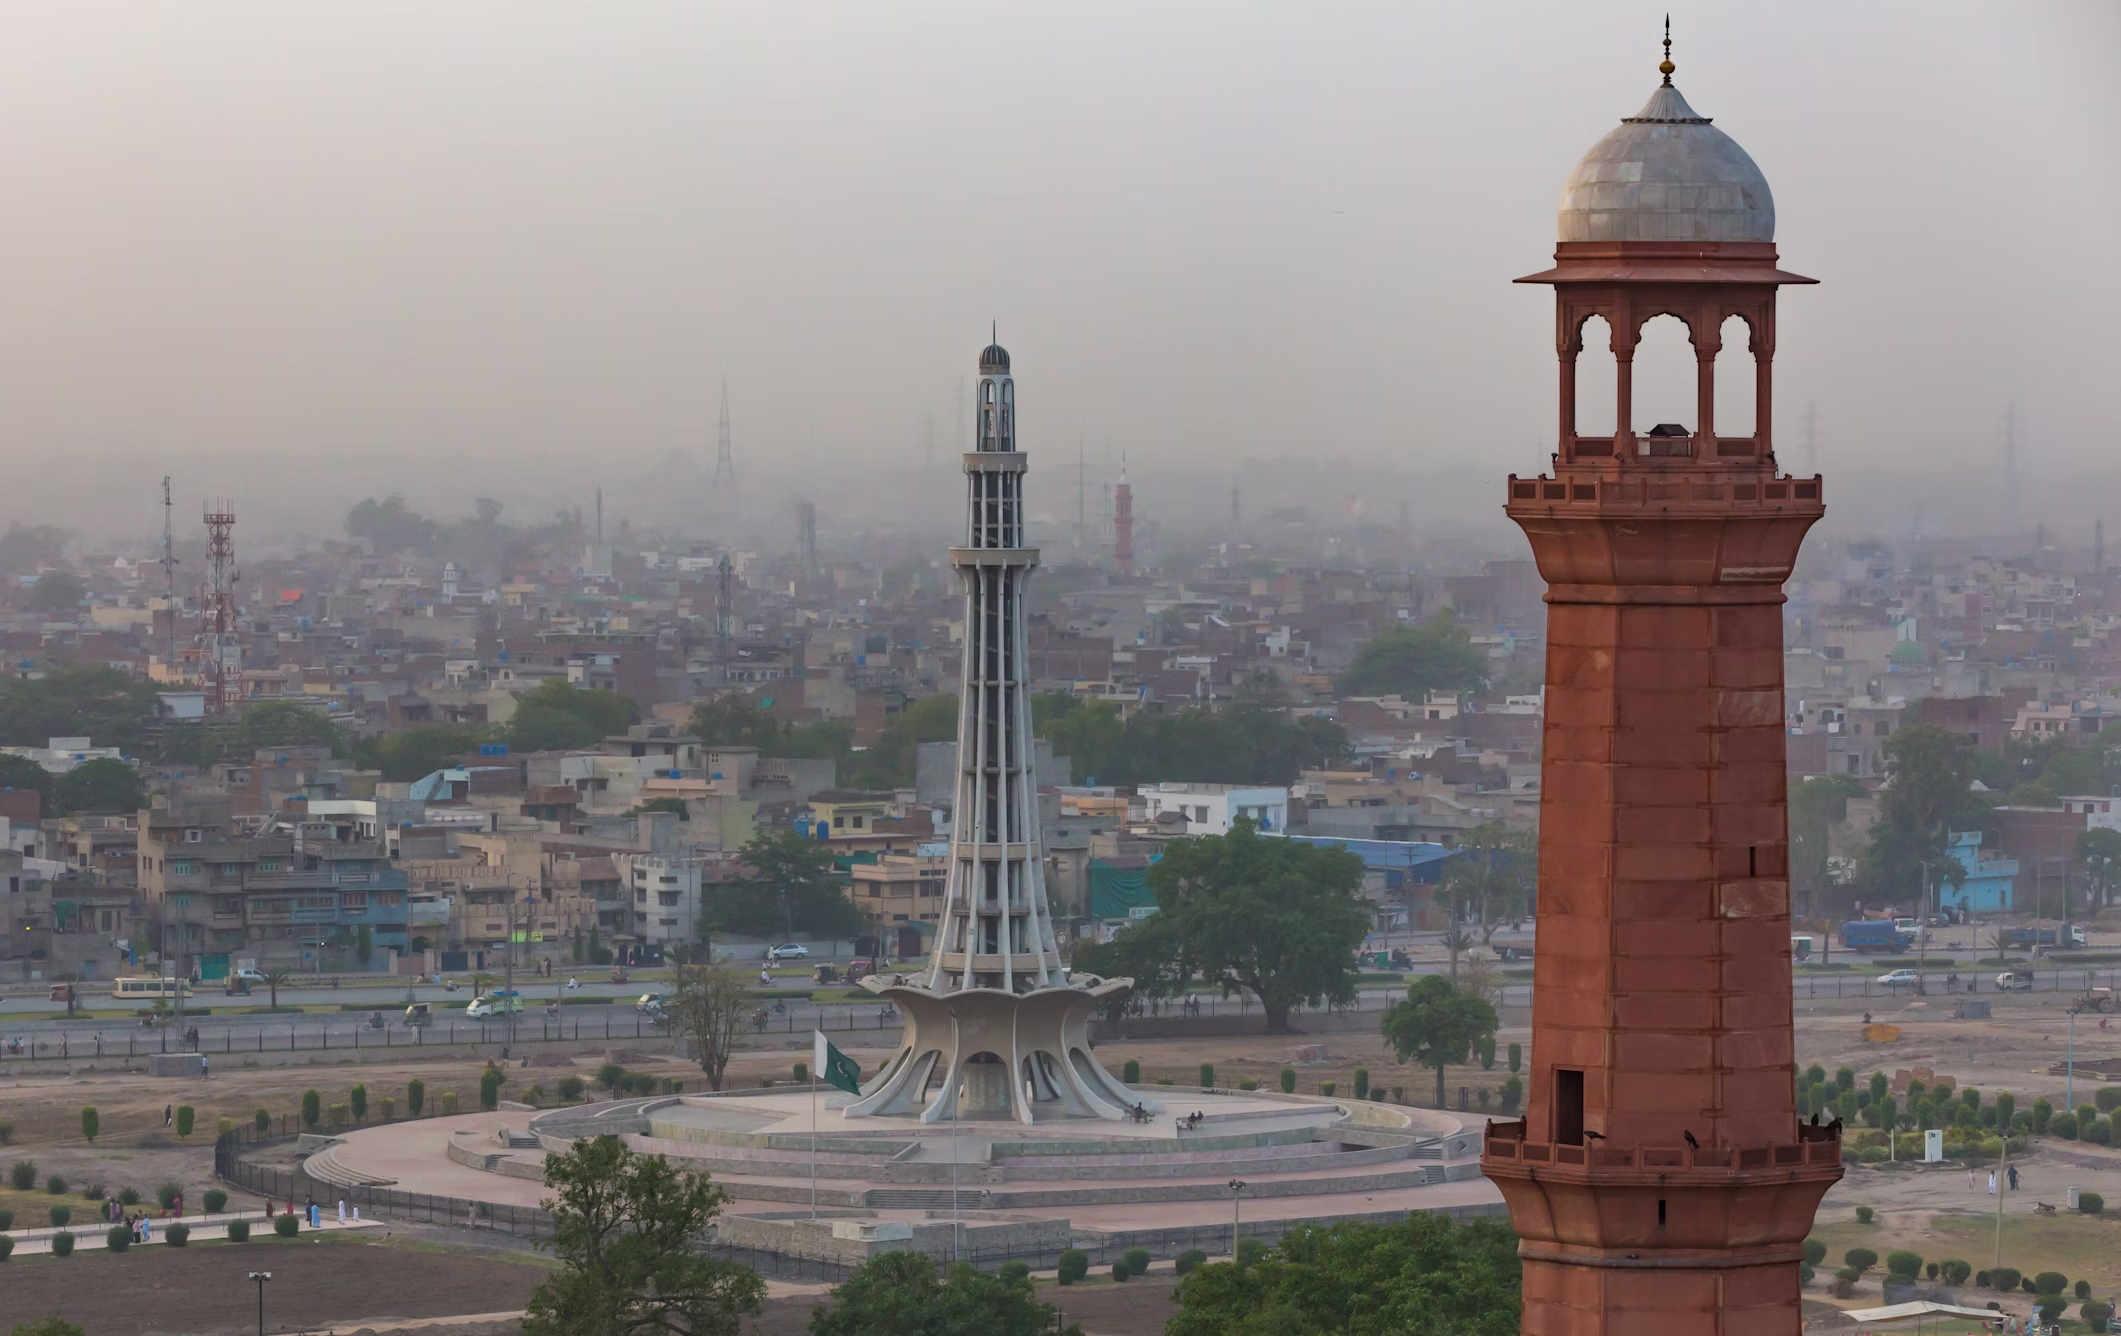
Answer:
(2006, 1107)
(1516, 1057)
(1073, 1266)
(1399, 1094)
(1904, 1263)
(1362, 1083)
(55, 1185)
(1137, 1260)
(1288, 1080)
(1250, 1249)
(2100, 1133)
(415, 1096)
(286, 1225)
(7, 1220)
(1933, 1270)
(2043, 1113)
(129, 1197)
(335, 1117)
(2091, 1203)
(91, 1122)
(7, 1246)
(1131, 1072)
(61, 1215)
(23, 1175)
(1248, 1084)
(118, 1238)
(167, 1192)
(1848, 1275)
(2096, 1313)
(571, 1088)
(386, 1108)
(1863, 1259)
(94, 1192)
(312, 1108)
(2051, 1310)
(1189, 1259)
(449, 1103)
(490, 1089)
(2050, 1282)
(1486, 1049)
(2063, 1125)
(1814, 1251)
(358, 1098)
(1015, 1273)
(216, 1201)
(1120, 1271)
(1864, 1215)
(7, 1134)
(262, 1121)
(2005, 1278)
(239, 1231)
(1981, 1279)
(2108, 1099)
(223, 1126)
(802, 1073)
(2082, 1289)
(609, 1075)
(1805, 1273)
(176, 1233)
(186, 1117)
(63, 1244)
(1325, 1087)
(1207, 1075)
(1512, 1094)
(2026, 1283)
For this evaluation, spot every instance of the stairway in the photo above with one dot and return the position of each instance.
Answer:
(922, 1199)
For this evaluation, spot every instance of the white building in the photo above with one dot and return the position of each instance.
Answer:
(64, 754)
(1210, 809)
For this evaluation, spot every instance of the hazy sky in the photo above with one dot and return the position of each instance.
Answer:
(265, 244)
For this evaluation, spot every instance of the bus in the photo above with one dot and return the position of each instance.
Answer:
(149, 988)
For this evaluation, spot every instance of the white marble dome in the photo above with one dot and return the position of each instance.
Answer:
(1666, 174)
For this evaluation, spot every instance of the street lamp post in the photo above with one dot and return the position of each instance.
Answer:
(1237, 1193)
(259, 1278)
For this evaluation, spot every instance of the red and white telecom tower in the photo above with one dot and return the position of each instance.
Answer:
(224, 649)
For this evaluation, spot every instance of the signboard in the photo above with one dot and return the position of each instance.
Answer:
(1933, 1146)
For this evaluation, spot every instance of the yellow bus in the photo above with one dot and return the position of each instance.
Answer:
(149, 988)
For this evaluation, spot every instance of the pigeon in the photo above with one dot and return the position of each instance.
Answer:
(1594, 1136)
(1690, 1140)
(1834, 1127)
(1815, 1120)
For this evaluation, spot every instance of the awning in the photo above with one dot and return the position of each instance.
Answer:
(1920, 1308)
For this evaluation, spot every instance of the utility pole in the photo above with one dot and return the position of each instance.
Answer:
(1237, 1194)
(259, 1278)
(169, 572)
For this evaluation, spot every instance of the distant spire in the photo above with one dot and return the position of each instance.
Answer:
(1666, 67)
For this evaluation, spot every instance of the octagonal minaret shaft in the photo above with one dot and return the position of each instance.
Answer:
(995, 931)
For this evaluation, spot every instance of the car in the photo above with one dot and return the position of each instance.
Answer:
(1900, 979)
(789, 951)
(2015, 981)
(249, 974)
(487, 1006)
(648, 1002)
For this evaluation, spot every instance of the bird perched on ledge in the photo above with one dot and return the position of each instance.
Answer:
(1690, 1140)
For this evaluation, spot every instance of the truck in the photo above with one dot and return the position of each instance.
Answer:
(1873, 935)
(2066, 936)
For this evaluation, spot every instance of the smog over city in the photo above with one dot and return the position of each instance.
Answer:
(980, 669)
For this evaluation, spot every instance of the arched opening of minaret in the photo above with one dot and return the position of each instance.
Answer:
(1597, 380)
(1734, 381)
(1666, 380)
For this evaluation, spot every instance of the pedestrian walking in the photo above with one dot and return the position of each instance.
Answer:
(2013, 1171)
(342, 1210)
(203, 1073)
(169, 1114)
(1991, 1182)
(1969, 1178)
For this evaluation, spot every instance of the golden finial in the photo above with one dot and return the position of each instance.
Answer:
(1666, 67)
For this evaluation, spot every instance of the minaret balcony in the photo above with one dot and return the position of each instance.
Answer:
(967, 557)
(1020, 962)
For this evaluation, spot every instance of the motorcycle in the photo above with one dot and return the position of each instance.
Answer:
(780, 1008)
(375, 1020)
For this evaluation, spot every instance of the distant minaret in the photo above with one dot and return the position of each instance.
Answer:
(806, 535)
(724, 464)
(724, 610)
(1123, 522)
(2010, 453)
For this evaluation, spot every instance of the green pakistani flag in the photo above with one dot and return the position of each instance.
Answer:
(834, 1067)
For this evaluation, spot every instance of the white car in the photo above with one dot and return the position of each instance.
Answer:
(1900, 979)
(249, 975)
(789, 951)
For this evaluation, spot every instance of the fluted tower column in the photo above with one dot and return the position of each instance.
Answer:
(995, 1017)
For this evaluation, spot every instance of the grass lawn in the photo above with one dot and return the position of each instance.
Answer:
(2082, 1247)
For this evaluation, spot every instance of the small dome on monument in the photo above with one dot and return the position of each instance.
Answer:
(1666, 174)
(994, 359)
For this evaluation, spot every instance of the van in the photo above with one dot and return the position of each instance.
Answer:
(487, 1006)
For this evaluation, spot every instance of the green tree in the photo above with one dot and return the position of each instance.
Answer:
(364, 942)
(1929, 795)
(416, 753)
(888, 762)
(1278, 918)
(19, 772)
(559, 716)
(390, 526)
(628, 1232)
(708, 1005)
(905, 1294)
(2099, 851)
(1437, 1024)
(1411, 661)
(1489, 880)
(277, 978)
(286, 723)
(792, 885)
(1424, 1276)
(102, 785)
(56, 591)
(735, 720)
(102, 704)
(1817, 804)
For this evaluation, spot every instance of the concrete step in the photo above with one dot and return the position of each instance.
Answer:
(921, 1199)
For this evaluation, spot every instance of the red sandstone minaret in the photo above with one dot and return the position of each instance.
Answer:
(1660, 1181)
